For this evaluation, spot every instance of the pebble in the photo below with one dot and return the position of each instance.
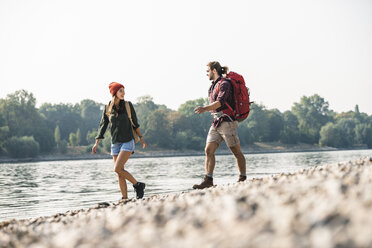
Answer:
(323, 206)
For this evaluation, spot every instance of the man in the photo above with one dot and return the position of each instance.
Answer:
(224, 126)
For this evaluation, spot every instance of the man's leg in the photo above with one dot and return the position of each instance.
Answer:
(240, 160)
(210, 162)
(210, 159)
(214, 139)
(229, 132)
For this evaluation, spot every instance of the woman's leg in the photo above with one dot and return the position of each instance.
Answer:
(122, 182)
(120, 161)
(119, 166)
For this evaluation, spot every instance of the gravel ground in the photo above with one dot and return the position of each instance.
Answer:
(324, 206)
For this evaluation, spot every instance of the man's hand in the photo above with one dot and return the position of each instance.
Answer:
(212, 106)
(199, 110)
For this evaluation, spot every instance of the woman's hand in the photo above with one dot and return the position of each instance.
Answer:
(144, 145)
(94, 148)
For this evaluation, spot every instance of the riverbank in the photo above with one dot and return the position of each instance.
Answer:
(257, 148)
(324, 206)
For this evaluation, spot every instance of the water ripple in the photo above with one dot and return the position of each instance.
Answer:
(44, 188)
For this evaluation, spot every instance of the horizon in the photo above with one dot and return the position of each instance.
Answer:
(66, 51)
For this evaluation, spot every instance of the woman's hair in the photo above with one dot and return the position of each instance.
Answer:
(220, 69)
(109, 109)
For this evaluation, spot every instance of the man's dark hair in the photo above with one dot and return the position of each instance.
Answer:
(220, 69)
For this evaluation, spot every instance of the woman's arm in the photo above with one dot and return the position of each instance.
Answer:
(101, 130)
(103, 125)
(138, 131)
(94, 148)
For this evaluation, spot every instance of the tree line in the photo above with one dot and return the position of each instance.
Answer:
(26, 130)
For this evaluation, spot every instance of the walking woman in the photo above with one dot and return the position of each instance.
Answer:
(122, 136)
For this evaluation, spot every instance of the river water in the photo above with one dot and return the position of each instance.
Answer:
(45, 188)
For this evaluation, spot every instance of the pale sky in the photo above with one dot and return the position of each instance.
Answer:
(69, 50)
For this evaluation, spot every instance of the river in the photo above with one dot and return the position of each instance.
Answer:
(45, 188)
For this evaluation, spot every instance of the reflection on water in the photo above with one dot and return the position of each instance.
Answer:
(45, 188)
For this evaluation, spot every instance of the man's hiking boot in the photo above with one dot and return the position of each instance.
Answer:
(140, 189)
(242, 178)
(208, 182)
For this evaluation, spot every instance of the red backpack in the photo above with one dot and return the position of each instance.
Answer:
(241, 97)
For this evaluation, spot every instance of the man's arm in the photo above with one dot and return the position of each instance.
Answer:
(212, 106)
(224, 92)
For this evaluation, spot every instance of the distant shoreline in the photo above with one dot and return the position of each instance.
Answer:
(161, 154)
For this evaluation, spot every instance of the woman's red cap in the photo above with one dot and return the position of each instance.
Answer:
(114, 87)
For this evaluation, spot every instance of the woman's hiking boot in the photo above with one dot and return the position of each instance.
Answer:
(140, 189)
(242, 178)
(207, 182)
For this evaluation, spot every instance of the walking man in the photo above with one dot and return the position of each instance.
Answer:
(224, 126)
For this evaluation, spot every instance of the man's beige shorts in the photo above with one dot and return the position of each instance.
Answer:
(227, 131)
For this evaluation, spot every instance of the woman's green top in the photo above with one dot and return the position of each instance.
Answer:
(119, 122)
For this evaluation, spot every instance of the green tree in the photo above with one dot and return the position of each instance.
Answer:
(199, 124)
(106, 142)
(91, 137)
(290, 133)
(91, 113)
(330, 135)
(66, 116)
(22, 147)
(368, 139)
(78, 137)
(4, 130)
(73, 139)
(341, 134)
(347, 128)
(62, 146)
(312, 113)
(245, 134)
(45, 138)
(258, 124)
(356, 109)
(360, 117)
(22, 118)
(144, 107)
(361, 133)
(4, 134)
(57, 135)
(276, 124)
(157, 133)
(191, 125)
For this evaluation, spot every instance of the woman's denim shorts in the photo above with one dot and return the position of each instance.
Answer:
(118, 147)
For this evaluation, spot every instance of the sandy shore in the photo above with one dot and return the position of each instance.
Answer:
(324, 206)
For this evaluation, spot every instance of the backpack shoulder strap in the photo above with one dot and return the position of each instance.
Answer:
(219, 83)
(218, 91)
(127, 107)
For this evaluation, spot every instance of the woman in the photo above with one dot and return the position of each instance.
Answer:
(122, 137)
